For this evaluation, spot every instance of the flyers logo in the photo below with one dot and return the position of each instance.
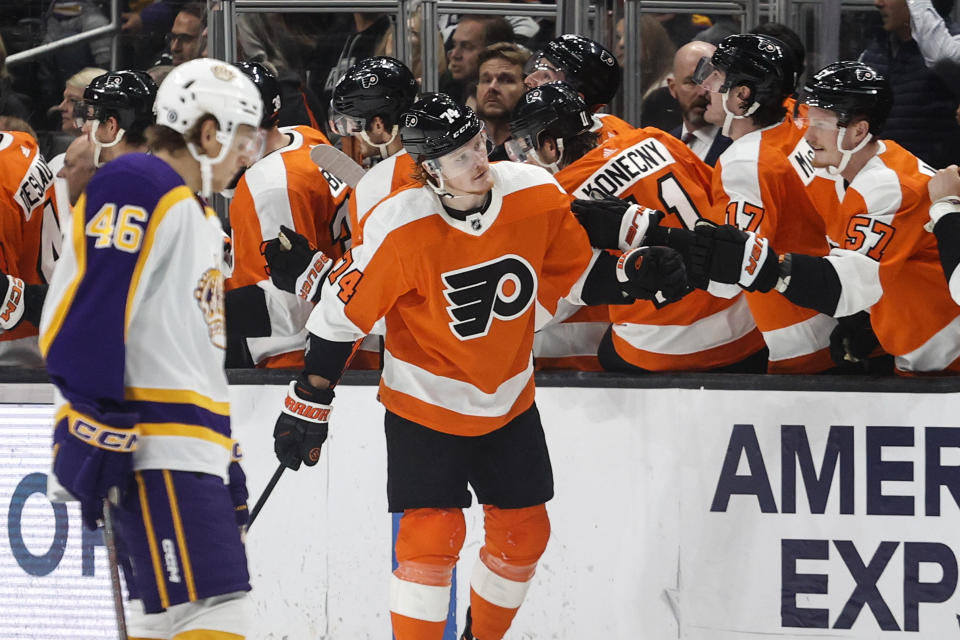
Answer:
(503, 288)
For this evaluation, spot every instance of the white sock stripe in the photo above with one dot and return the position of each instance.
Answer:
(419, 601)
(497, 590)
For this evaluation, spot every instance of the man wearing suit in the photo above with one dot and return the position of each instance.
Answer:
(703, 138)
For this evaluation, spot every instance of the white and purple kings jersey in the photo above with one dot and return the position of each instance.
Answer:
(134, 318)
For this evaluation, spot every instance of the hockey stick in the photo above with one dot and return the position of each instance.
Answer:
(266, 494)
(113, 497)
(279, 472)
(338, 163)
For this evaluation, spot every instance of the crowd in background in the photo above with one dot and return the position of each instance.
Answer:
(483, 61)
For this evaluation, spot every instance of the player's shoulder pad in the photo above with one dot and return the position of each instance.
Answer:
(879, 186)
(511, 177)
(404, 206)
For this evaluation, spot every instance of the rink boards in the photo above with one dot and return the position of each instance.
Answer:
(684, 513)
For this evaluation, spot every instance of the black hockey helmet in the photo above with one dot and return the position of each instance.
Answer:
(760, 62)
(379, 86)
(269, 89)
(554, 109)
(588, 67)
(435, 125)
(851, 89)
(126, 95)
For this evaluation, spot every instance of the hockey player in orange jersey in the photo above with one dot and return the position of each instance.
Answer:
(286, 188)
(116, 109)
(116, 105)
(463, 269)
(654, 170)
(29, 243)
(882, 259)
(944, 190)
(760, 186)
(367, 103)
(587, 66)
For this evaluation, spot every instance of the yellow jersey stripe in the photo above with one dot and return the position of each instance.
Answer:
(80, 249)
(207, 634)
(185, 431)
(181, 538)
(152, 542)
(172, 197)
(177, 396)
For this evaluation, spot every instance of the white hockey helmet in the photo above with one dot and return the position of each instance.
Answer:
(208, 86)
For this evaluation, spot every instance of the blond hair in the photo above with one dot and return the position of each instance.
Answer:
(85, 76)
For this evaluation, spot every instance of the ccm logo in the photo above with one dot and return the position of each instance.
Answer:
(317, 270)
(310, 412)
(101, 436)
(13, 299)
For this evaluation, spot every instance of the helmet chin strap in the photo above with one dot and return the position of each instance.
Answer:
(206, 164)
(846, 154)
(97, 145)
(730, 115)
(384, 154)
(552, 167)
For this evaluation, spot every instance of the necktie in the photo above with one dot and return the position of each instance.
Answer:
(689, 137)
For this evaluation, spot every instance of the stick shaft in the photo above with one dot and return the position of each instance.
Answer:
(266, 494)
(109, 541)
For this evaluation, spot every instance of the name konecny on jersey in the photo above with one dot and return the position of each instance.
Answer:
(744, 472)
(624, 169)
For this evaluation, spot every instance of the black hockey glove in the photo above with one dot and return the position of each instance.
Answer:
(647, 271)
(294, 266)
(301, 428)
(853, 340)
(13, 301)
(613, 223)
(724, 253)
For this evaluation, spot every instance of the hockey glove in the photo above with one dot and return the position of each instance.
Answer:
(645, 271)
(853, 340)
(294, 266)
(301, 428)
(92, 452)
(726, 254)
(14, 301)
(613, 223)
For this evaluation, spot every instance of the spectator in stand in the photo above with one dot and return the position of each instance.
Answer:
(703, 138)
(186, 39)
(659, 110)
(499, 87)
(11, 102)
(71, 17)
(525, 29)
(72, 94)
(937, 41)
(924, 107)
(472, 35)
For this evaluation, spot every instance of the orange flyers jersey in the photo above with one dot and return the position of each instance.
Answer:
(654, 169)
(761, 184)
(380, 181)
(608, 126)
(885, 258)
(29, 231)
(285, 188)
(461, 298)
